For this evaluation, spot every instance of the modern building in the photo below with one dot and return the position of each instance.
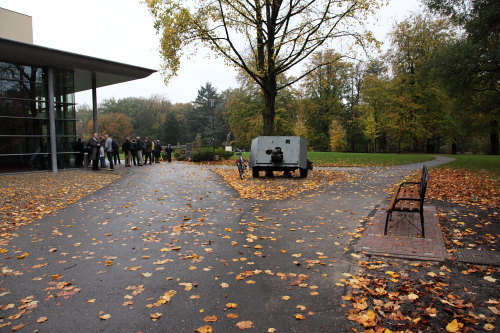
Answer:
(37, 104)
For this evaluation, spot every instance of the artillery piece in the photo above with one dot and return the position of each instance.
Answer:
(279, 153)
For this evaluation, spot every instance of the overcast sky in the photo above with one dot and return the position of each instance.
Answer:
(122, 31)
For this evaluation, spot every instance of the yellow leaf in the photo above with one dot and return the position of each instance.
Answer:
(299, 316)
(155, 316)
(204, 329)
(412, 296)
(210, 319)
(105, 316)
(2, 250)
(454, 326)
(42, 320)
(242, 325)
(231, 305)
(22, 256)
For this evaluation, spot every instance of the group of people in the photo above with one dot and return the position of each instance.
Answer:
(136, 151)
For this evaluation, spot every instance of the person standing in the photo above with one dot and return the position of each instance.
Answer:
(157, 151)
(80, 149)
(126, 151)
(116, 152)
(169, 153)
(140, 149)
(108, 149)
(102, 152)
(133, 151)
(94, 154)
(148, 149)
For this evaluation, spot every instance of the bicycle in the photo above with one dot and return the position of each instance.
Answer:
(241, 163)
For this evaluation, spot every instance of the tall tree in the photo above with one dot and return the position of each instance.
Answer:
(264, 38)
(470, 66)
(206, 116)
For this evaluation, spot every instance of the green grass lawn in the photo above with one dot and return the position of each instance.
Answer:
(359, 159)
(488, 163)
(364, 159)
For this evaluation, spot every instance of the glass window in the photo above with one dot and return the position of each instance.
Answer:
(23, 90)
(24, 126)
(65, 111)
(64, 79)
(33, 162)
(65, 161)
(66, 127)
(19, 108)
(23, 145)
(66, 144)
(21, 72)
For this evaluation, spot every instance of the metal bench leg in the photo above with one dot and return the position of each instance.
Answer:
(388, 216)
(422, 222)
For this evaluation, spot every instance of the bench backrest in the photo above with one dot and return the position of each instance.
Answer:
(423, 182)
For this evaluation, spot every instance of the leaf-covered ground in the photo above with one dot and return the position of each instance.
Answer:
(396, 295)
(278, 187)
(28, 197)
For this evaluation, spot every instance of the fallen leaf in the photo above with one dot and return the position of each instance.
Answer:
(454, 326)
(17, 327)
(242, 325)
(210, 319)
(105, 316)
(490, 279)
(22, 256)
(155, 316)
(204, 329)
(42, 320)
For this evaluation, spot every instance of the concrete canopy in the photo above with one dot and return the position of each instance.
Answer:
(106, 72)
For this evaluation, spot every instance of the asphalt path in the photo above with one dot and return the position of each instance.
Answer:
(173, 248)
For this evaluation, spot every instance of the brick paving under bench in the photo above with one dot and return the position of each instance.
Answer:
(403, 240)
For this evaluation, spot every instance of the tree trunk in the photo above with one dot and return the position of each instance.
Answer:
(269, 112)
(494, 149)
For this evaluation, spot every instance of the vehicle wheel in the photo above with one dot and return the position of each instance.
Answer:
(255, 172)
(303, 173)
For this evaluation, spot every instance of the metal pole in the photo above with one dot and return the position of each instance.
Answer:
(52, 119)
(94, 102)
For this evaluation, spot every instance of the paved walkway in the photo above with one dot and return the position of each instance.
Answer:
(172, 248)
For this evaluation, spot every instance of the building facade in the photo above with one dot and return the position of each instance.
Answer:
(37, 98)
(25, 120)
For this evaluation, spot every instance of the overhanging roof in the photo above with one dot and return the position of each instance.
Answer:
(106, 72)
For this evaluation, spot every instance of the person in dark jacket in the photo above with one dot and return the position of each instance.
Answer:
(79, 156)
(148, 150)
(126, 151)
(116, 152)
(94, 154)
(157, 151)
(133, 151)
(169, 153)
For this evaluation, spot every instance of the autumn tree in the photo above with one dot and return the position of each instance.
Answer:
(118, 125)
(264, 38)
(325, 90)
(420, 103)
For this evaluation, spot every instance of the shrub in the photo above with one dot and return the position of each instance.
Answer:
(223, 154)
(203, 155)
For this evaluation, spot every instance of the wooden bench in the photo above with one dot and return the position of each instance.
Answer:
(409, 198)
